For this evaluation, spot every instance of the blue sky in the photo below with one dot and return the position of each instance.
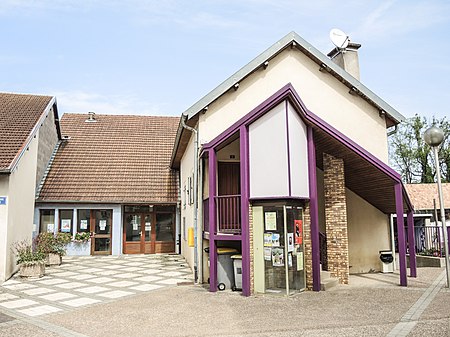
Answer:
(160, 57)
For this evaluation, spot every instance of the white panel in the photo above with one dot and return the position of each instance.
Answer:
(298, 149)
(268, 154)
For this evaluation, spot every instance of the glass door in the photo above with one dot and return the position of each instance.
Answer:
(101, 238)
(283, 249)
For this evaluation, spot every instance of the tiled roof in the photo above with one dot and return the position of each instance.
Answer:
(18, 116)
(422, 195)
(117, 159)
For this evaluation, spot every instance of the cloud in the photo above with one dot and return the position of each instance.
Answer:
(393, 18)
(81, 101)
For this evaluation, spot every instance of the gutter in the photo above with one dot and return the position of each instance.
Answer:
(196, 160)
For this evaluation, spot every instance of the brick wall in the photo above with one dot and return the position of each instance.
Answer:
(252, 256)
(307, 246)
(336, 218)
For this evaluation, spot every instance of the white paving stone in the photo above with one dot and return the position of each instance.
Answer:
(52, 281)
(116, 294)
(127, 275)
(67, 273)
(58, 296)
(40, 310)
(37, 291)
(146, 287)
(170, 281)
(108, 272)
(70, 285)
(131, 269)
(79, 302)
(149, 278)
(92, 270)
(134, 264)
(151, 271)
(82, 277)
(172, 273)
(18, 303)
(10, 282)
(100, 280)
(20, 286)
(122, 284)
(5, 297)
(92, 290)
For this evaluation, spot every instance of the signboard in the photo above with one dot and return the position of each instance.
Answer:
(3, 200)
(271, 221)
(65, 225)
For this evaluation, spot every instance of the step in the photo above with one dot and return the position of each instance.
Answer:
(324, 274)
(328, 283)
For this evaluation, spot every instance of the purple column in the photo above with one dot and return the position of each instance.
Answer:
(314, 210)
(400, 233)
(212, 221)
(245, 193)
(412, 245)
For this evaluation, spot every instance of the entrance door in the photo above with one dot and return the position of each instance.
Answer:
(279, 257)
(101, 221)
(149, 229)
(138, 233)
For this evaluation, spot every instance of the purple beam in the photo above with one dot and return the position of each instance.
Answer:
(245, 193)
(314, 210)
(412, 245)
(212, 221)
(288, 148)
(400, 233)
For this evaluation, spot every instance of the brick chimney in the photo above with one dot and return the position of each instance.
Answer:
(347, 58)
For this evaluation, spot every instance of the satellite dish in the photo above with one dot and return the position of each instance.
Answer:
(339, 38)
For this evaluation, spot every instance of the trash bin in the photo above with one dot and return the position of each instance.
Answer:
(225, 272)
(387, 265)
(237, 264)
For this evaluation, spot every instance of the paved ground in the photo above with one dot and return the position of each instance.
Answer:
(373, 305)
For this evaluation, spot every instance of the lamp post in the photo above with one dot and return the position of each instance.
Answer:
(434, 137)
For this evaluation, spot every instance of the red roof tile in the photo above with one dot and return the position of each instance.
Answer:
(117, 159)
(422, 195)
(18, 116)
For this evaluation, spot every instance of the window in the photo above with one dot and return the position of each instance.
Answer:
(103, 219)
(47, 220)
(65, 220)
(164, 227)
(84, 220)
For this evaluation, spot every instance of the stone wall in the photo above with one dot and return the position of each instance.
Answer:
(336, 218)
(252, 254)
(307, 246)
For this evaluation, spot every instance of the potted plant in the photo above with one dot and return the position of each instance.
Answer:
(53, 246)
(31, 261)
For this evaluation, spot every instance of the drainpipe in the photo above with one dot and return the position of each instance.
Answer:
(390, 133)
(195, 131)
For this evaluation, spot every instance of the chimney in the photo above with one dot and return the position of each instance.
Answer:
(91, 117)
(347, 58)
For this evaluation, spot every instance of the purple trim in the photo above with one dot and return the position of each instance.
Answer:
(245, 243)
(314, 210)
(281, 197)
(400, 233)
(412, 245)
(212, 221)
(288, 150)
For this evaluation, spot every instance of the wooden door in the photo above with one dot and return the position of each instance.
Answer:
(229, 178)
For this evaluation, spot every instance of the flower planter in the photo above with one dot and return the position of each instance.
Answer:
(79, 248)
(53, 259)
(32, 269)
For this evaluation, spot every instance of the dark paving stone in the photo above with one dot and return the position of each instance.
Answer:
(5, 318)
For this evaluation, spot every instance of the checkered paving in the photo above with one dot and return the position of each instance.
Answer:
(84, 281)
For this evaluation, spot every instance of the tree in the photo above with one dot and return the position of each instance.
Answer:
(412, 157)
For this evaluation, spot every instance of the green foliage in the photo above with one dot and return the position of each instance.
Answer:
(412, 157)
(82, 237)
(26, 253)
(50, 243)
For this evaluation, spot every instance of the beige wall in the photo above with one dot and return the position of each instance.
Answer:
(368, 233)
(323, 94)
(21, 194)
(4, 183)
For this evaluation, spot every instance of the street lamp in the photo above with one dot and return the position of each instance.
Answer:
(434, 137)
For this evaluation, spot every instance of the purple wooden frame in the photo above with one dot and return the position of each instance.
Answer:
(288, 93)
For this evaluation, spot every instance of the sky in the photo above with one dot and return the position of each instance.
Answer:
(160, 57)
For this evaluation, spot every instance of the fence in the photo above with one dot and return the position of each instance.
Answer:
(429, 240)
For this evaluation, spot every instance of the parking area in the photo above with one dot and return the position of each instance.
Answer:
(84, 281)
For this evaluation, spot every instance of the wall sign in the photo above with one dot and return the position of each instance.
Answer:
(298, 232)
(3, 200)
(271, 221)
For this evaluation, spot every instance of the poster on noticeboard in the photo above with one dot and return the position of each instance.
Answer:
(298, 232)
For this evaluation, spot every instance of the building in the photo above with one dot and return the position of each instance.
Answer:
(29, 132)
(292, 172)
(111, 177)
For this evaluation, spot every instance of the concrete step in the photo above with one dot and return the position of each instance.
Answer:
(328, 283)
(324, 274)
